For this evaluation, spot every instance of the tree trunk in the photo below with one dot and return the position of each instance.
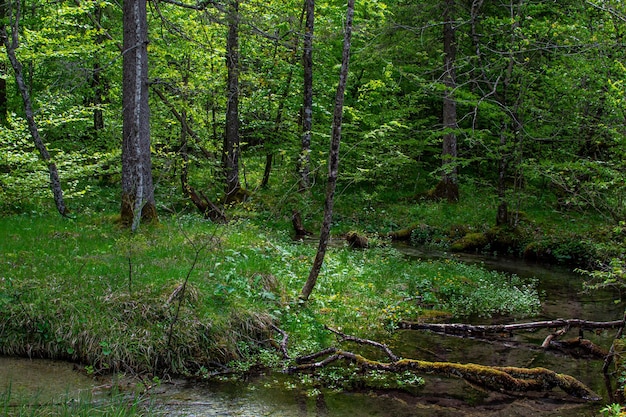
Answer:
(137, 189)
(97, 84)
(449, 187)
(230, 151)
(269, 156)
(333, 159)
(4, 104)
(11, 45)
(304, 161)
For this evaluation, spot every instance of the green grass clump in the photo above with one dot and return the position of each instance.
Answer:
(117, 405)
(184, 294)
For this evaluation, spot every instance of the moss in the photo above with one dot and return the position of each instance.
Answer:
(504, 239)
(470, 242)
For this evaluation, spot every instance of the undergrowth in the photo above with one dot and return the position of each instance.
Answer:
(184, 295)
(116, 405)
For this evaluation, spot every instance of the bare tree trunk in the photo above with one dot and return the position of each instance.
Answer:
(97, 84)
(333, 159)
(304, 161)
(137, 189)
(449, 177)
(4, 103)
(230, 151)
(11, 45)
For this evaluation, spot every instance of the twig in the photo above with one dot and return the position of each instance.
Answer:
(358, 340)
(282, 345)
(609, 358)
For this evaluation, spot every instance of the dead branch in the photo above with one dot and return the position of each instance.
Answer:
(282, 345)
(609, 358)
(579, 347)
(360, 341)
(500, 379)
(460, 328)
(554, 335)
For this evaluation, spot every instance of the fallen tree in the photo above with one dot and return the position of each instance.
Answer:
(461, 328)
(576, 347)
(494, 378)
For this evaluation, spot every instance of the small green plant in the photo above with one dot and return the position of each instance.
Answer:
(613, 410)
(612, 275)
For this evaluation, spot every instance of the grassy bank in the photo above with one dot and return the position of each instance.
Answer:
(116, 406)
(188, 297)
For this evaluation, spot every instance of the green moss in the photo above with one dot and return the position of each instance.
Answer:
(470, 242)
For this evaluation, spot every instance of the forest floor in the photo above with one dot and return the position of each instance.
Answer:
(194, 298)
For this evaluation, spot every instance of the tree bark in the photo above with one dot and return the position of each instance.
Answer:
(333, 158)
(138, 202)
(468, 329)
(11, 45)
(97, 83)
(230, 151)
(304, 161)
(449, 187)
(4, 103)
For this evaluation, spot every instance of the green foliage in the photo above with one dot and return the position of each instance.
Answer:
(119, 405)
(613, 410)
(611, 275)
(245, 279)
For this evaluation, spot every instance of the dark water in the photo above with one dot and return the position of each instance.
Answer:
(562, 297)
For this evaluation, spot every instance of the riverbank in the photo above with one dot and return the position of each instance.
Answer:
(188, 297)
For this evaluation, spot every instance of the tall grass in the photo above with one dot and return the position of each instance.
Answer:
(87, 291)
(117, 405)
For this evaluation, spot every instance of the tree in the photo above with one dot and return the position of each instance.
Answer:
(448, 186)
(304, 161)
(11, 45)
(333, 158)
(138, 202)
(230, 151)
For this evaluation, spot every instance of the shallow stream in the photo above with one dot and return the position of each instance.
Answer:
(42, 381)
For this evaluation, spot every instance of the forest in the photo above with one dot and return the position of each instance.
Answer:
(167, 168)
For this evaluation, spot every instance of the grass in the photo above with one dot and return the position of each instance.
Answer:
(118, 405)
(87, 291)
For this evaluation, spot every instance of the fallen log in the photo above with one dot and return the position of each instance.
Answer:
(403, 234)
(460, 328)
(494, 378)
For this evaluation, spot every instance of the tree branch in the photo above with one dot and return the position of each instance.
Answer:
(454, 328)
(500, 379)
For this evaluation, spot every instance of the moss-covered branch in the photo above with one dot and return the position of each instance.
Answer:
(494, 378)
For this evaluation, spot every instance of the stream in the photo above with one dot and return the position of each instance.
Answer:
(43, 381)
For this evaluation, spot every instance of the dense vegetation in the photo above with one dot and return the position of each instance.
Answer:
(538, 126)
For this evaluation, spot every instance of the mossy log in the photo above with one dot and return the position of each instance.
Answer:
(494, 378)
(356, 240)
(403, 234)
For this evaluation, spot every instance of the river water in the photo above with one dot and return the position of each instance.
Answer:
(42, 381)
